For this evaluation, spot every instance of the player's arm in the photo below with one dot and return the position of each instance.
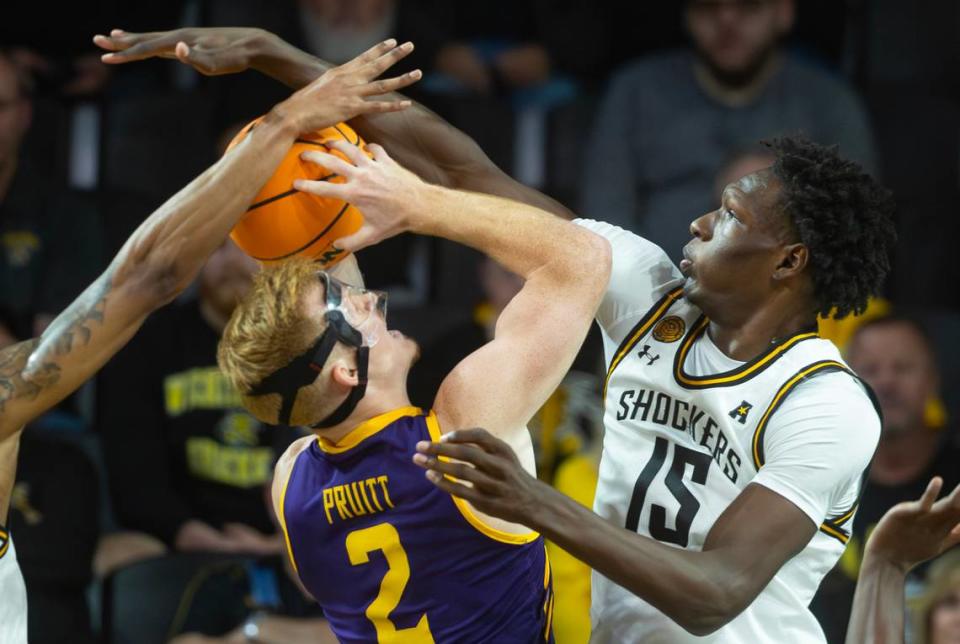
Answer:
(565, 268)
(419, 139)
(907, 535)
(165, 253)
(808, 460)
(701, 591)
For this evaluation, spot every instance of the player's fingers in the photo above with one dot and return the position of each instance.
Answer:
(388, 60)
(379, 154)
(353, 153)
(154, 47)
(381, 107)
(366, 236)
(456, 489)
(931, 493)
(473, 454)
(481, 437)
(331, 162)
(387, 85)
(323, 188)
(374, 52)
(459, 471)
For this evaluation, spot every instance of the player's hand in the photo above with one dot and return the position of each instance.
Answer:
(379, 187)
(211, 51)
(915, 531)
(484, 470)
(351, 89)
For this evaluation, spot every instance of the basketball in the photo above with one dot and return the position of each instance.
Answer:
(282, 222)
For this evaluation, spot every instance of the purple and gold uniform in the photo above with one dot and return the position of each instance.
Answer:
(392, 558)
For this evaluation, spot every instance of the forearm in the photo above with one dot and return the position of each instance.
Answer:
(525, 240)
(698, 590)
(175, 241)
(419, 139)
(877, 614)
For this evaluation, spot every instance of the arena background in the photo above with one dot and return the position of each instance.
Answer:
(140, 512)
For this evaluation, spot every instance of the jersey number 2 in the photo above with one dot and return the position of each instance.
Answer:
(689, 505)
(384, 537)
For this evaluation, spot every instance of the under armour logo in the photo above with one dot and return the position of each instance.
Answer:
(740, 412)
(649, 356)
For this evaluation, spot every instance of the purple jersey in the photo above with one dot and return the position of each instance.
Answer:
(392, 558)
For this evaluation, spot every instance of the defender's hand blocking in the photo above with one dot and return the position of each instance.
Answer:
(385, 192)
(915, 531)
(498, 484)
(344, 92)
(211, 51)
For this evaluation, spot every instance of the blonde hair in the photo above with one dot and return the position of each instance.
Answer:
(943, 578)
(269, 328)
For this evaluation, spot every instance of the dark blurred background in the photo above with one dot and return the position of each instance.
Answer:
(153, 523)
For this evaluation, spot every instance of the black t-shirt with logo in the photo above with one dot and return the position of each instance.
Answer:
(177, 444)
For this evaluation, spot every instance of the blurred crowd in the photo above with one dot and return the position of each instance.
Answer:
(141, 507)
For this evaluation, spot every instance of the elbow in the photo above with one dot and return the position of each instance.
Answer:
(596, 261)
(715, 607)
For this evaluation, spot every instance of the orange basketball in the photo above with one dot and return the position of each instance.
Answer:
(283, 222)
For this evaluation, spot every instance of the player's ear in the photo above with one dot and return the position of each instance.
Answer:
(793, 259)
(344, 374)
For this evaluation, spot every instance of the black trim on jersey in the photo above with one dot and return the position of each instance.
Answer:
(641, 328)
(781, 395)
(742, 373)
(4, 541)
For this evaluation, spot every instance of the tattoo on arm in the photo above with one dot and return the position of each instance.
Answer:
(24, 378)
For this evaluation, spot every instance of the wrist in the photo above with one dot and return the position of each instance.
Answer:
(420, 210)
(875, 563)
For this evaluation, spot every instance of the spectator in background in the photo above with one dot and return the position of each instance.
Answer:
(936, 612)
(894, 356)
(670, 120)
(185, 462)
(50, 240)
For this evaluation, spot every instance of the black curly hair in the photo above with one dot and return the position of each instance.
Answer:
(842, 215)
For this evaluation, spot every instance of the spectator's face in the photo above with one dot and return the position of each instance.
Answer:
(896, 362)
(735, 251)
(735, 37)
(945, 620)
(14, 111)
(226, 277)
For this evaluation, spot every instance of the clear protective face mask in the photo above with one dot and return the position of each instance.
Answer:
(363, 309)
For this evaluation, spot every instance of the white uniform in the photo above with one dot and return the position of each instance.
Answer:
(13, 594)
(687, 429)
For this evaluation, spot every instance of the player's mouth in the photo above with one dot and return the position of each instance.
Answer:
(686, 263)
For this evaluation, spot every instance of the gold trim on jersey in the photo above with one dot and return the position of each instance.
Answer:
(365, 430)
(433, 427)
(282, 517)
(641, 329)
(4, 541)
(786, 388)
(830, 531)
(734, 376)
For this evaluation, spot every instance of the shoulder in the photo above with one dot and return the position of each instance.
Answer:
(285, 463)
(830, 408)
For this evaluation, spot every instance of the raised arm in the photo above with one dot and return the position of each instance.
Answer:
(164, 254)
(565, 266)
(419, 139)
(907, 535)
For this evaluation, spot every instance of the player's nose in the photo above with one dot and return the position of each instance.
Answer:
(702, 227)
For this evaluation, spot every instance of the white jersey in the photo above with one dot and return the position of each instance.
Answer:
(687, 429)
(13, 594)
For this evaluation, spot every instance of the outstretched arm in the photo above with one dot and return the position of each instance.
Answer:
(539, 333)
(164, 254)
(907, 535)
(419, 139)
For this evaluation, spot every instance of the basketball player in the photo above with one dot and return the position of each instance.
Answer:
(158, 261)
(386, 553)
(736, 439)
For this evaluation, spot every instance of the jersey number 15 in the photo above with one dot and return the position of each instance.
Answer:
(689, 505)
